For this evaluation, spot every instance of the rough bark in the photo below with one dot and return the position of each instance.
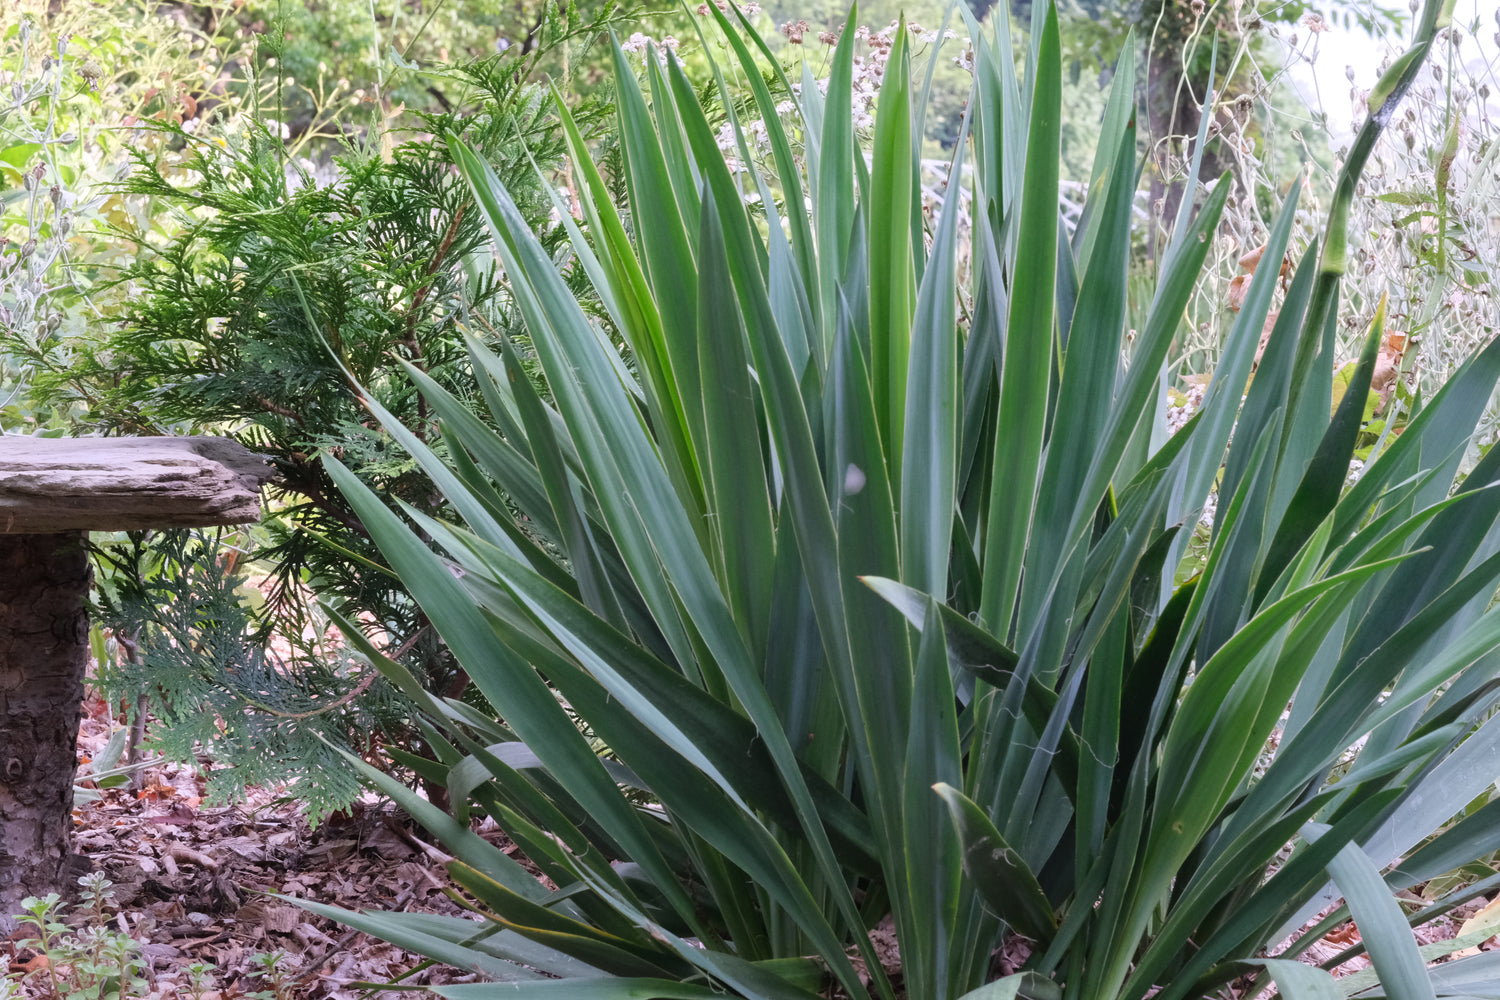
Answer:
(51, 492)
(44, 584)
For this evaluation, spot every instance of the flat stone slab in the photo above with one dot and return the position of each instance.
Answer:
(120, 484)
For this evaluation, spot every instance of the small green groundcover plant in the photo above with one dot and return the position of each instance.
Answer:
(88, 959)
(864, 575)
(93, 961)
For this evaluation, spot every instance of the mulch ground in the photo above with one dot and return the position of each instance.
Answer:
(193, 885)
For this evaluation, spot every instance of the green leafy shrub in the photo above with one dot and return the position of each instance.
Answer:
(405, 57)
(871, 598)
(273, 283)
(187, 644)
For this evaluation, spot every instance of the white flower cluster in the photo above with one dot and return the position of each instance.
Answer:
(1180, 409)
(1179, 412)
(1210, 511)
(749, 9)
(639, 42)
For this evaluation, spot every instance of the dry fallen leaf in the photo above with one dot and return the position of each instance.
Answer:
(1239, 285)
(1388, 366)
(1486, 919)
(281, 919)
(155, 792)
(178, 852)
(1344, 934)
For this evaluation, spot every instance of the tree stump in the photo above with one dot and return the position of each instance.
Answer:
(52, 492)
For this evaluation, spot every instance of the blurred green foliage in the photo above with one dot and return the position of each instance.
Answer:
(78, 76)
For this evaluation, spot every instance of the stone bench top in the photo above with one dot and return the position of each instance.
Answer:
(118, 484)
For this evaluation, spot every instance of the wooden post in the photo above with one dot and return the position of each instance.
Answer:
(52, 492)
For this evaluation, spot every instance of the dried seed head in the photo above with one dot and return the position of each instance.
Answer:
(1243, 105)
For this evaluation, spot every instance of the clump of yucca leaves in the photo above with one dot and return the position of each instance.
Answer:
(876, 604)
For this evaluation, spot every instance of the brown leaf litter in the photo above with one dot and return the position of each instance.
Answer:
(193, 885)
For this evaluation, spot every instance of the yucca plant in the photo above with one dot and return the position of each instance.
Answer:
(870, 602)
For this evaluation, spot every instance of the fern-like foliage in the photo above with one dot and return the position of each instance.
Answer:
(282, 297)
(185, 622)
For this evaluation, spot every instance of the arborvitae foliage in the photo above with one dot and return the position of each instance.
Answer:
(185, 637)
(285, 295)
